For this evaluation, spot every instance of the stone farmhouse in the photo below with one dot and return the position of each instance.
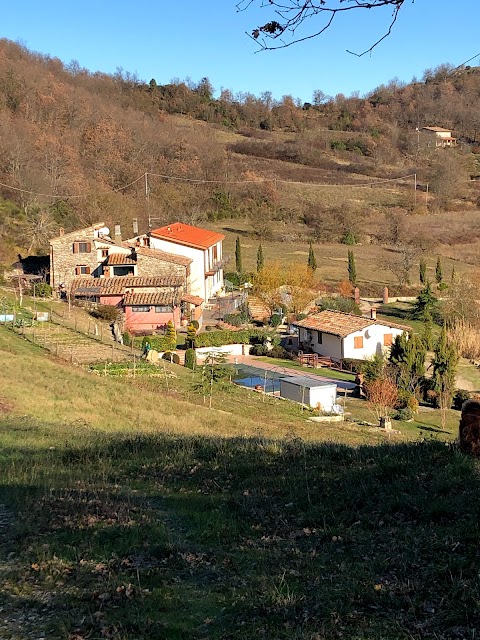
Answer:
(150, 281)
(438, 136)
(339, 336)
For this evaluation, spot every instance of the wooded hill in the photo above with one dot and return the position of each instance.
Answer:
(75, 147)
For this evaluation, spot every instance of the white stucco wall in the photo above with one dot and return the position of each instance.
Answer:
(323, 397)
(205, 287)
(372, 341)
(228, 350)
(331, 346)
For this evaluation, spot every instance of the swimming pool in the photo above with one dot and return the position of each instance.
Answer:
(252, 377)
(259, 381)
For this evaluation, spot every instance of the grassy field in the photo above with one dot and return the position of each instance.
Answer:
(126, 501)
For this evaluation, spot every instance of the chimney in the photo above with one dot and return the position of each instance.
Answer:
(385, 295)
(135, 227)
(373, 313)
(118, 234)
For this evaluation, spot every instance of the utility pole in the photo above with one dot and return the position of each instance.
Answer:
(147, 198)
(415, 187)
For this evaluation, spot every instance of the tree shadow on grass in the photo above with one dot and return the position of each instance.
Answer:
(246, 537)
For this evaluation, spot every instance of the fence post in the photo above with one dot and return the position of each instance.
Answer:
(113, 352)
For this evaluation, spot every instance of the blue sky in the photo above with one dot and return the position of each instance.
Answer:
(164, 40)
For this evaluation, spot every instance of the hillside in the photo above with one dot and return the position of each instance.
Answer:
(122, 503)
(86, 140)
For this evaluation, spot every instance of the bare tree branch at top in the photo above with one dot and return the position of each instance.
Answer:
(292, 14)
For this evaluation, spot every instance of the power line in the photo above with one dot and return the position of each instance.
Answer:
(145, 175)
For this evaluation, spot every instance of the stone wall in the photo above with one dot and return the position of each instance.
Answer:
(63, 260)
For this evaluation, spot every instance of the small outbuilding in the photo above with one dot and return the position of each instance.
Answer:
(319, 394)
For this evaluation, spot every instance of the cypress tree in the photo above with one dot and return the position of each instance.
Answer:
(445, 362)
(352, 269)
(438, 271)
(423, 271)
(312, 261)
(425, 304)
(238, 256)
(259, 258)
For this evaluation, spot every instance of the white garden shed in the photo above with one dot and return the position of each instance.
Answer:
(319, 394)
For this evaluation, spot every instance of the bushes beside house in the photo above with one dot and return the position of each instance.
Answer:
(159, 343)
(220, 338)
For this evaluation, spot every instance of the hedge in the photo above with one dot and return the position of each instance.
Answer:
(220, 338)
(159, 343)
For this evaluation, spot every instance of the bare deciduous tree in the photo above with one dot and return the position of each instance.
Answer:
(290, 16)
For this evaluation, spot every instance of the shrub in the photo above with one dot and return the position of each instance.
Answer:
(127, 338)
(42, 290)
(220, 338)
(159, 343)
(259, 350)
(190, 358)
(105, 312)
(460, 396)
(349, 238)
(406, 400)
(195, 324)
(278, 351)
(276, 320)
(236, 319)
(347, 305)
(171, 357)
(404, 414)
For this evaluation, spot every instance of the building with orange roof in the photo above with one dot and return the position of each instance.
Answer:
(203, 247)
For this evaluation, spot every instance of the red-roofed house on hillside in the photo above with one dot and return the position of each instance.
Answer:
(338, 336)
(202, 246)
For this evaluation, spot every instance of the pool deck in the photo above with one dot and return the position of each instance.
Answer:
(251, 361)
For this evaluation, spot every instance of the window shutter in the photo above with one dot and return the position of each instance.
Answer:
(387, 340)
(358, 342)
(89, 247)
(87, 269)
(75, 247)
(77, 271)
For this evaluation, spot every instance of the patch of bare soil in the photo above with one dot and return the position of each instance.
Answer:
(5, 406)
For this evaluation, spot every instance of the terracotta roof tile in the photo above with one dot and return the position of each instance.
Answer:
(160, 255)
(179, 233)
(117, 284)
(196, 300)
(342, 324)
(160, 298)
(120, 258)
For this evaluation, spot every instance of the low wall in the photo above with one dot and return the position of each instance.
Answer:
(227, 349)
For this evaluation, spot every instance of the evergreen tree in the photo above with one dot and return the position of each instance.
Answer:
(423, 271)
(191, 335)
(438, 271)
(444, 362)
(425, 304)
(190, 358)
(171, 334)
(312, 261)
(427, 331)
(407, 356)
(238, 256)
(352, 269)
(259, 259)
